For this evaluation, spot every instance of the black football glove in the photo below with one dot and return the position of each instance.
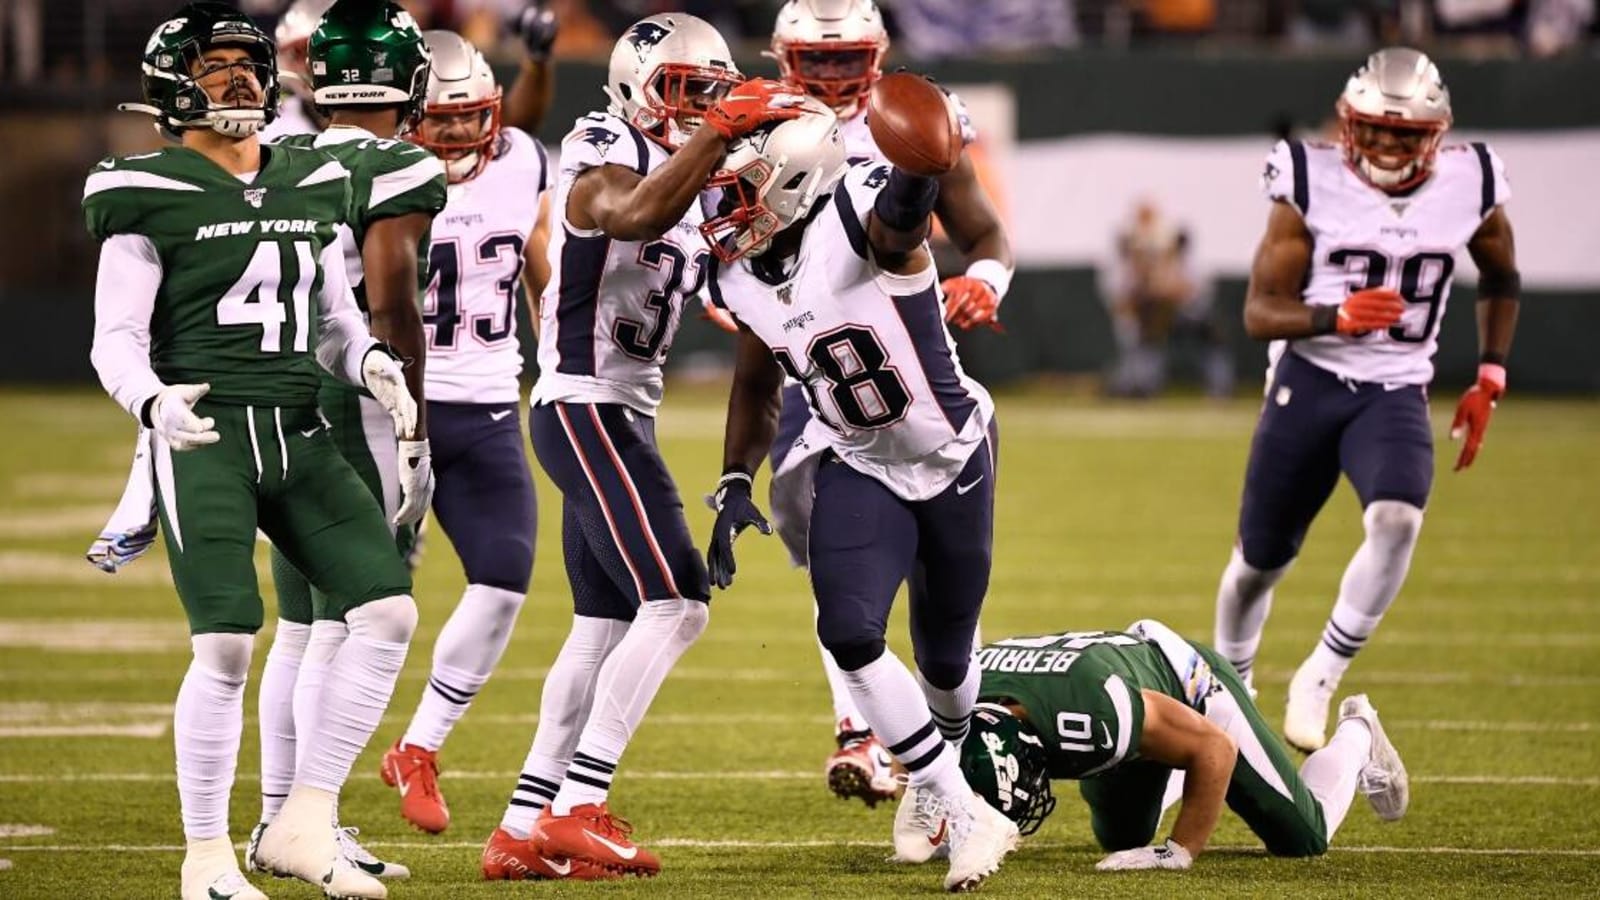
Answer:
(537, 26)
(735, 512)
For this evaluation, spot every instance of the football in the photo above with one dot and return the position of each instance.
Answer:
(914, 124)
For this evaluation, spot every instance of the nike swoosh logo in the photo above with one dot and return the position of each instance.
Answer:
(624, 852)
(213, 891)
(371, 868)
(1106, 730)
(497, 416)
(938, 837)
(963, 488)
(108, 164)
(562, 868)
(400, 783)
(311, 432)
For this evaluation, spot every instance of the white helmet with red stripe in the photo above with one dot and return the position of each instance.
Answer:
(831, 49)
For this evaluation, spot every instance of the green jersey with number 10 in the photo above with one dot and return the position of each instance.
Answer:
(1081, 691)
(240, 264)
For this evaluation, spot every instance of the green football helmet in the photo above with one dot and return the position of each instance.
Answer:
(1005, 763)
(172, 91)
(369, 53)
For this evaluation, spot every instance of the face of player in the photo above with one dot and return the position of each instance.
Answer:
(690, 96)
(228, 76)
(833, 65)
(1388, 147)
(457, 132)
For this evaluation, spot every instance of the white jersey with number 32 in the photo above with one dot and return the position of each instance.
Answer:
(1364, 238)
(474, 264)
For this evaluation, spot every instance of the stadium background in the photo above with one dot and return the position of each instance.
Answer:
(1487, 669)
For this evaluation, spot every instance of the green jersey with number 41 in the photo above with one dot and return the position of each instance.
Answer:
(1081, 691)
(239, 261)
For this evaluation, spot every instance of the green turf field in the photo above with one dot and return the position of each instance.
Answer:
(1487, 673)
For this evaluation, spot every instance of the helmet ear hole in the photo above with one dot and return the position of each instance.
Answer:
(625, 91)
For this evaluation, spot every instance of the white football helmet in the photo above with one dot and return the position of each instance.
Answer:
(772, 177)
(293, 36)
(460, 85)
(665, 71)
(1393, 115)
(831, 49)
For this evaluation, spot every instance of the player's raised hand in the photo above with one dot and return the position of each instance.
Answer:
(1370, 310)
(970, 302)
(736, 511)
(1171, 855)
(752, 104)
(537, 26)
(174, 418)
(1474, 410)
(382, 375)
(416, 482)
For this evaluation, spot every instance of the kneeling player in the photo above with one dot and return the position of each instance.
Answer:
(1122, 712)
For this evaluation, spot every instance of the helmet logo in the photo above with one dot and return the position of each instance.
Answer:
(402, 20)
(254, 196)
(380, 58)
(172, 27)
(645, 36)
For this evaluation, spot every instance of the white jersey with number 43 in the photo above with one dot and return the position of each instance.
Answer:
(474, 264)
(1366, 238)
(612, 307)
(879, 368)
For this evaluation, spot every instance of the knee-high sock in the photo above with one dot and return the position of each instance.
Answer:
(275, 709)
(360, 683)
(327, 636)
(207, 726)
(952, 709)
(469, 646)
(628, 682)
(563, 708)
(896, 709)
(1331, 773)
(1370, 583)
(1243, 600)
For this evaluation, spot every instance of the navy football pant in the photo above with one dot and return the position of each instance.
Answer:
(1314, 425)
(623, 534)
(865, 540)
(484, 496)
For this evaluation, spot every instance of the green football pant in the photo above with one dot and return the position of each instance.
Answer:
(363, 432)
(1266, 790)
(275, 469)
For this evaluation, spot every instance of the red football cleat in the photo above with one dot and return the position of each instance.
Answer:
(506, 858)
(862, 768)
(415, 773)
(591, 834)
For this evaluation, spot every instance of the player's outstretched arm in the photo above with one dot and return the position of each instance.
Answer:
(1273, 306)
(898, 224)
(389, 274)
(747, 437)
(1177, 736)
(530, 95)
(970, 220)
(1493, 249)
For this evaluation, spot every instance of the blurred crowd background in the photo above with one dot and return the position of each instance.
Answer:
(1122, 139)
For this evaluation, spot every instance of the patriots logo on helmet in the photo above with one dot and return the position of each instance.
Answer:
(645, 36)
(600, 138)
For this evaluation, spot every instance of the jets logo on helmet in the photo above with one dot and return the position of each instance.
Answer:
(175, 63)
(665, 72)
(1006, 764)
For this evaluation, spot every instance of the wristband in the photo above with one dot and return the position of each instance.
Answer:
(1324, 319)
(147, 411)
(1493, 373)
(906, 201)
(994, 273)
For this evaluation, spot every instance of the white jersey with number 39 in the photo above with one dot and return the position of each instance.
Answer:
(1366, 238)
(474, 264)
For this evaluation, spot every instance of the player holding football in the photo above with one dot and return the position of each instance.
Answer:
(1123, 712)
(826, 269)
(834, 50)
(1350, 283)
(625, 255)
(213, 254)
(485, 498)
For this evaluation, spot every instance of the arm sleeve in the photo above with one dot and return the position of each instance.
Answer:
(124, 300)
(342, 337)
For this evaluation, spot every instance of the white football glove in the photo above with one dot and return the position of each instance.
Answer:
(1170, 855)
(174, 418)
(382, 375)
(416, 482)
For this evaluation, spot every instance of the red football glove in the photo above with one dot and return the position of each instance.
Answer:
(969, 302)
(752, 104)
(719, 317)
(1472, 413)
(1369, 310)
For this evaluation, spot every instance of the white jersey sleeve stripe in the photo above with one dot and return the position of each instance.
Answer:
(329, 171)
(390, 185)
(1122, 703)
(105, 181)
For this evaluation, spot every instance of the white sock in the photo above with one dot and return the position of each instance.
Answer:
(469, 646)
(563, 708)
(327, 636)
(1370, 583)
(898, 714)
(359, 685)
(207, 725)
(1331, 773)
(629, 679)
(275, 709)
(952, 709)
(846, 717)
(1243, 600)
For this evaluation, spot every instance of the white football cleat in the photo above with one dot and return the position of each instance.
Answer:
(1383, 779)
(1305, 721)
(362, 858)
(210, 873)
(303, 842)
(921, 828)
(980, 838)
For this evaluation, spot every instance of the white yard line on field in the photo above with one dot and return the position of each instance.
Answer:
(15, 830)
(96, 635)
(84, 521)
(24, 567)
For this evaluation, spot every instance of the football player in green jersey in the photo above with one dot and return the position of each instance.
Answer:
(221, 288)
(1122, 711)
